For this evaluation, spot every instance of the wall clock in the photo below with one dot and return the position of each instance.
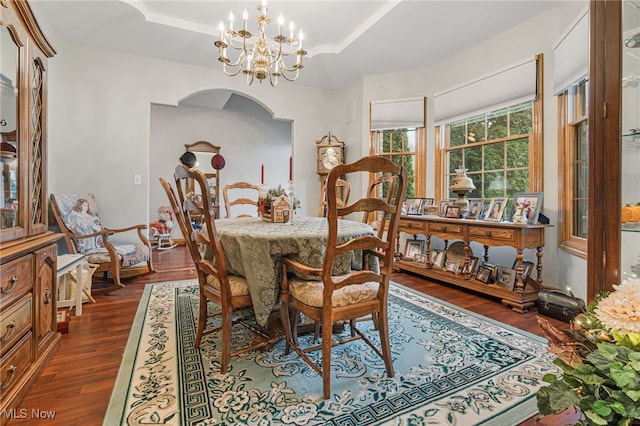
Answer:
(330, 153)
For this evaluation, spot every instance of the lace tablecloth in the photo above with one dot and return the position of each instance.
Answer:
(254, 250)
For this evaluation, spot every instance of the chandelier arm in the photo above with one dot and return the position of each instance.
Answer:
(290, 79)
(230, 73)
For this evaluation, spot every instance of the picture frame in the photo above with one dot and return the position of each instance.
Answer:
(470, 267)
(506, 278)
(483, 274)
(452, 212)
(452, 266)
(526, 207)
(414, 206)
(430, 210)
(413, 247)
(495, 211)
(527, 268)
(475, 208)
(420, 259)
(443, 207)
(494, 271)
(436, 259)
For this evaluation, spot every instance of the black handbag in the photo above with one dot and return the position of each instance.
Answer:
(557, 304)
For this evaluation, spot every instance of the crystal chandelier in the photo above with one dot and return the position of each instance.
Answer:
(260, 56)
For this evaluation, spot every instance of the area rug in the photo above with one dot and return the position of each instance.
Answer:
(452, 366)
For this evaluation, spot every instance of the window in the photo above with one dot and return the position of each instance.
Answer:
(404, 147)
(573, 128)
(398, 133)
(499, 149)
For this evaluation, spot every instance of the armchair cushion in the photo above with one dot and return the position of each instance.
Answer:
(129, 254)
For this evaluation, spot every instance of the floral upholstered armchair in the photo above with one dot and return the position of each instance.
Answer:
(77, 217)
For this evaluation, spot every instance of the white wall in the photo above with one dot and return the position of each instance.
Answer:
(246, 142)
(100, 103)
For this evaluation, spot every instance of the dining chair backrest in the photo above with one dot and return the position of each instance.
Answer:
(244, 188)
(382, 184)
(388, 210)
(342, 193)
(183, 222)
(202, 206)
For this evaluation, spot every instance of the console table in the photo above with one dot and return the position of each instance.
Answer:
(490, 234)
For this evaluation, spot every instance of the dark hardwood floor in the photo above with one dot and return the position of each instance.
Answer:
(77, 384)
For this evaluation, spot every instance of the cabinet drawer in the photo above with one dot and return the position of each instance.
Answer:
(447, 228)
(15, 363)
(410, 226)
(16, 279)
(14, 322)
(499, 234)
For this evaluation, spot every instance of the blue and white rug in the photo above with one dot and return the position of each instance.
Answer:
(453, 367)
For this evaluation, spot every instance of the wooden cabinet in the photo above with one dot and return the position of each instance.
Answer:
(614, 142)
(28, 336)
(489, 234)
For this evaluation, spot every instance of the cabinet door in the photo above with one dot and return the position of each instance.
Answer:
(37, 142)
(630, 190)
(12, 152)
(45, 291)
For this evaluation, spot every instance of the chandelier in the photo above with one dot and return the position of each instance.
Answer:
(259, 56)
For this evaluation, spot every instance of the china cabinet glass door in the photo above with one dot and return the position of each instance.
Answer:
(630, 129)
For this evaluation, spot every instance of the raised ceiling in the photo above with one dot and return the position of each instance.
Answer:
(345, 39)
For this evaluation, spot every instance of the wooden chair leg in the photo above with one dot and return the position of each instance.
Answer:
(326, 360)
(226, 340)
(286, 324)
(383, 324)
(202, 320)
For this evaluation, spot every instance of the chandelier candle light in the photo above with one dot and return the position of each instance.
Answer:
(260, 57)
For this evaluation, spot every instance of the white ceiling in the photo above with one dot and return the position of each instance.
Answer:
(345, 39)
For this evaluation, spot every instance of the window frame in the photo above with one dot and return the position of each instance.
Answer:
(535, 150)
(572, 113)
(419, 157)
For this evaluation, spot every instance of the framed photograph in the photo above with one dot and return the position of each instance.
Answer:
(443, 207)
(414, 206)
(452, 212)
(452, 266)
(436, 258)
(428, 201)
(494, 271)
(527, 267)
(506, 278)
(420, 259)
(430, 210)
(483, 274)
(412, 248)
(470, 268)
(495, 211)
(475, 208)
(526, 207)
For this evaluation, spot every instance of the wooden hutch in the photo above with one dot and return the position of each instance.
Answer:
(28, 335)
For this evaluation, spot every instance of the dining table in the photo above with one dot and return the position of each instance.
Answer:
(254, 249)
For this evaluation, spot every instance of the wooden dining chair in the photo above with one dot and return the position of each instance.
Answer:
(357, 294)
(342, 193)
(248, 197)
(216, 284)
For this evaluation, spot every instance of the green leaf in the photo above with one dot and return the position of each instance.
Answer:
(550, 378)
(633, 394)
(634, 360)
(601, 408)
(623, 375)
(595, 418)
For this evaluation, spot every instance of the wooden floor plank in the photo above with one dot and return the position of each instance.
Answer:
(77, 384)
